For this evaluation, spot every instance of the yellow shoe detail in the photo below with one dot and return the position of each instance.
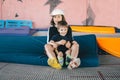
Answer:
(54, 63)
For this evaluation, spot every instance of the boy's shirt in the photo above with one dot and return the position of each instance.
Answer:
(53, 31)
(58, 37)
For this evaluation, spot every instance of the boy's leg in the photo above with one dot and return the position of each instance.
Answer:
(60, 58)
(68, 57)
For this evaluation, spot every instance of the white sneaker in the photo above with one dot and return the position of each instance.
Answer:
(74, 63)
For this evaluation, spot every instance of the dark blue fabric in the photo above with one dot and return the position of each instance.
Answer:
(117, 30)
(23, 49)
(24, 59)
(88, 50)
(30, 50)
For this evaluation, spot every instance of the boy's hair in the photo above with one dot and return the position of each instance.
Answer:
(52, 21)
(62, 23)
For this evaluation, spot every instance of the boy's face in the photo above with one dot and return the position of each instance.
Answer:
(63, 30)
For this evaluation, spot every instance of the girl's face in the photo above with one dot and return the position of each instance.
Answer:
(57, 18)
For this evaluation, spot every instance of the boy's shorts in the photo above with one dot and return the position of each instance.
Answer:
(62, 48)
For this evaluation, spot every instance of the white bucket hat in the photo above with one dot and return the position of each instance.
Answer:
(57, 12)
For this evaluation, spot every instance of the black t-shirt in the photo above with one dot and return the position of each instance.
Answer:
(58, 37)
(53, 31)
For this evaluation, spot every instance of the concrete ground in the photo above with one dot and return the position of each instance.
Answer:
(109, 69)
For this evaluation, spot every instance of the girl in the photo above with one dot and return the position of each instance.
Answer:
(58, 15)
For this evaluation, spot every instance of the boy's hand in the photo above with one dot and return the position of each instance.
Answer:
(62, 42)
(68, 44)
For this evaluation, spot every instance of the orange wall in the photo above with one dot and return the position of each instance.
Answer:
(107, 12)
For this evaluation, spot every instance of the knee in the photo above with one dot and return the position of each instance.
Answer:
(75, 44)
(48, 46)
(60, 54)
(68, 52)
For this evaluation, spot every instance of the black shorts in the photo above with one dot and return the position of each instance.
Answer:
(62, 48)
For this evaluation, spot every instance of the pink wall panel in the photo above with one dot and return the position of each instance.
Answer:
(34, 10)
(0, 8)
(10, 8)
(78, 12)
(38, 13)
(75, 11)
(107, 12)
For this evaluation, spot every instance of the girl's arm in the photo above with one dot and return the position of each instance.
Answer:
(70, 33)
(53, 43)
(51, 32)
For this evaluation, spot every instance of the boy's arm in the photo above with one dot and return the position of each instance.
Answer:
(61, 42)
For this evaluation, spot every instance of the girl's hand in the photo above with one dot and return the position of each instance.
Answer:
(68, 44)
(55, 45)
(62, 42)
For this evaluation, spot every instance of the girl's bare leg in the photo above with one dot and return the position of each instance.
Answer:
(52, 60)
(75, 62)
(50, 51)
(74, 50)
